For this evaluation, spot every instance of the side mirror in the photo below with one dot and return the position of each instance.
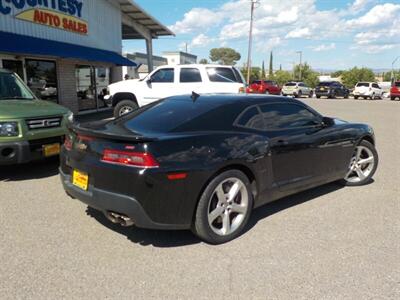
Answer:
(327, 122)
(148, 81)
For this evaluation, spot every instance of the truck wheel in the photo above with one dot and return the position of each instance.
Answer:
(124, 107)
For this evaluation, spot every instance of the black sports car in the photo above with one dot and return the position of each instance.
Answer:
(331, 89)
(204, 162)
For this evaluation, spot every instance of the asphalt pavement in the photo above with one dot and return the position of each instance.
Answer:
(327, 243)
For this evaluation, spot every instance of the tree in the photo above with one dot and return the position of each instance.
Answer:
(203, 61)
(309, 76)
(388, 75)
(224, 56)
(282, 77)
(354, 75)
(271, 67)
(337, 74)
(263, 71)
(254, 73)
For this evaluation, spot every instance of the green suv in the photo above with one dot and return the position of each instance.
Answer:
(30, 128)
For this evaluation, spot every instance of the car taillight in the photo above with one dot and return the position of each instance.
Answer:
(68, 142)
(129, 158)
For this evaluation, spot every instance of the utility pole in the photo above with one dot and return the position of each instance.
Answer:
(253, 3)
(392, 75)
(186, 47)
(301, 54)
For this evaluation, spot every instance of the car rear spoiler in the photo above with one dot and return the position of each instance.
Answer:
(134, 137)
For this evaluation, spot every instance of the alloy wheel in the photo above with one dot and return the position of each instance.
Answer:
(228, 206)
(124, 110)
(361, 165)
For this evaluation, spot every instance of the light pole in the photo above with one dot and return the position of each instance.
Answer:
(301, 54)
(253, 3)
(392, 75)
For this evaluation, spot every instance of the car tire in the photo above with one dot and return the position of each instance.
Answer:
(318, 97)
(392, 98)
(299, 94)
(310, 95)
(346, 96)
(216, 220)
(124, 107)
(356, 97)
(361, 173)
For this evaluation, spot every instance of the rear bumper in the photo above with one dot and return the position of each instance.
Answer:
(108, 201)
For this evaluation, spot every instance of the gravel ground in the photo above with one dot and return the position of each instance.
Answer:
(326, 243)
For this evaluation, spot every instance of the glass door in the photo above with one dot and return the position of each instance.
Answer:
(42, 78)
(91, 83)
(102, 81)
(85, 88)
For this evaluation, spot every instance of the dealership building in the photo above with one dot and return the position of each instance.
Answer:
(68, 51)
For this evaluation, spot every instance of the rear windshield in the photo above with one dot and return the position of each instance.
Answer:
(325, 83)
(177, 115)
(256, 82)
(363, 84)
(290, 84)
(397, 84)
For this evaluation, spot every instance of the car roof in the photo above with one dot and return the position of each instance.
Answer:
(196, 66)
(235, 98)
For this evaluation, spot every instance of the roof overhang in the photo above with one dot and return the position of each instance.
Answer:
(138, 24)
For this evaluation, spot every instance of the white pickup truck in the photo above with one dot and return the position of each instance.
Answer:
(166, 81)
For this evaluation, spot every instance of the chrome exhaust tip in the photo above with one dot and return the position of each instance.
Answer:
(118, 218)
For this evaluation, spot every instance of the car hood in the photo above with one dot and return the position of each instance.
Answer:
(15, 109)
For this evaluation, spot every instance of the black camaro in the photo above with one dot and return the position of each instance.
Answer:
(204, 162)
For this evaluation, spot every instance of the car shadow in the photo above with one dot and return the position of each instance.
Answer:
(146, 237)
(33, 170)
(170, 238)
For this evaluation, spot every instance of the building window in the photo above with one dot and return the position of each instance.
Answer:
(42, 78)
(91, 85)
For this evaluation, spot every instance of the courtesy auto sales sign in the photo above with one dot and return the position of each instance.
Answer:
(61, 14)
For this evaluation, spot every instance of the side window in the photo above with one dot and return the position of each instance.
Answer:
(163, 75)
(251, 118)
(375, 85)
(190, 75)
(286, 115)
(220, 74)
(239, 77)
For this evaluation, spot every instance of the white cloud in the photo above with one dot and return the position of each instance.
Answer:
(266, 46)
(379, 15)
(366, 26)
(359, 5)
(201, 40)
(195, 20)
(324, 47)
(299, 33)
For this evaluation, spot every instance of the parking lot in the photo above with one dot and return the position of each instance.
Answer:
(327, 243)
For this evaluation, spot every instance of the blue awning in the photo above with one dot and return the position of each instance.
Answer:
(22, 44)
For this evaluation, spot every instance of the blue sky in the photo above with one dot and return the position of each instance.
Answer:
(332, 34)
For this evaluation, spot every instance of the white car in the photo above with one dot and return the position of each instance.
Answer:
(165, 81)
(369, 90)
(296, 89)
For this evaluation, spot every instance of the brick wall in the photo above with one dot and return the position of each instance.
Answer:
(67, 95)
